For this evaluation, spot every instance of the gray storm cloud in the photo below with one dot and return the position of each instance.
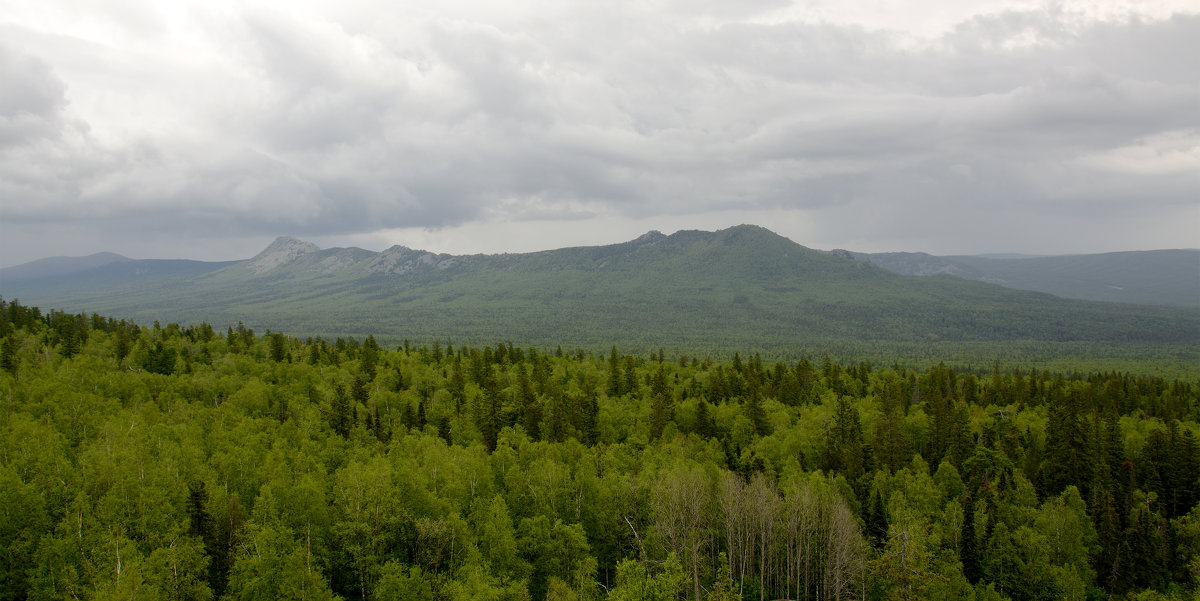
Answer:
(258, 122)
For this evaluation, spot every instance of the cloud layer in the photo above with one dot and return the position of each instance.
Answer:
(1020, 127)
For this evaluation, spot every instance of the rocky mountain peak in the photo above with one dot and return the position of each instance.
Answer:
(650, 236)
(282, 251)
(399, 260)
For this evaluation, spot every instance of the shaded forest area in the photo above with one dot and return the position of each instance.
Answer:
(143, 462)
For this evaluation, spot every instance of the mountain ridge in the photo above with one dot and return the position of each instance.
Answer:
(740, 287)
(61, 265)
(287, 249)
(1158, 277)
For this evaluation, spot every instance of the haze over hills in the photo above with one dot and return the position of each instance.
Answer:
(740, 288)
(1153, 277)
(52, 267)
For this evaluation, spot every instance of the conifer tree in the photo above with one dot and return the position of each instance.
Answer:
(1066, 458)
(458, 385)
(488, 410)
(277, 350)
(1107, 561)
(1002, 562)
(969, 542)
(589, 404)
(961, 443)
(557, 422)
(122, 347)
(891, 441)
(614, 374)
(284, 410)
(756, 414)
(658, 383)
(339, 412)
(724, 588)
(358, 390)
(160, 359)
(938, 441)
(704, 423)
(629, 384)
(844, 448)
(1145, 542)
(660, 414)
(8, 355)
(380, 433)
(528, 413)
(718, 392)
(408, 419)
(876, 520)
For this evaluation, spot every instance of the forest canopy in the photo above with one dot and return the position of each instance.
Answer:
(170, 462)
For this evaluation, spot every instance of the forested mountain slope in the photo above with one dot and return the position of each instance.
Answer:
(743, 287)
(1153, 277)
(185, 463)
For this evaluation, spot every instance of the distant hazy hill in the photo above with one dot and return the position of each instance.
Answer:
(1154, 277)
(102, 273)
(739, 288)
(54, 267)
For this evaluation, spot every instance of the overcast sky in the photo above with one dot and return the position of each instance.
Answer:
(204, 129)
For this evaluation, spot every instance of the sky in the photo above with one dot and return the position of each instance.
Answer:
(203, 130)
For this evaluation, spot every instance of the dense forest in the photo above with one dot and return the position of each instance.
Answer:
(169, 462)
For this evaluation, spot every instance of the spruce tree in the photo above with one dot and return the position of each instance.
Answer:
(339, 412)
(591, 423)
(557, 422)
(489, 407)
(358, 390)
(968, 542)
(458, 385)
(8, 355)
(379, 432)
(658, 383)
(1107, 561)
(876, 520)
(1146, 559)
(277, 347)
(369, 357)
(724, 588)
(756, 414)
(614, 374)
(408, 419)
(527, 412)
(122, 346)
(660, 414)
(629, 384)
(704, 423)
(1066, 460)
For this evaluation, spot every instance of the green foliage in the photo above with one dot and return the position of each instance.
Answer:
(637, 582)
(398, 582)
(8, 355)
(508, 473)
(273, 565)
(23, 522)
